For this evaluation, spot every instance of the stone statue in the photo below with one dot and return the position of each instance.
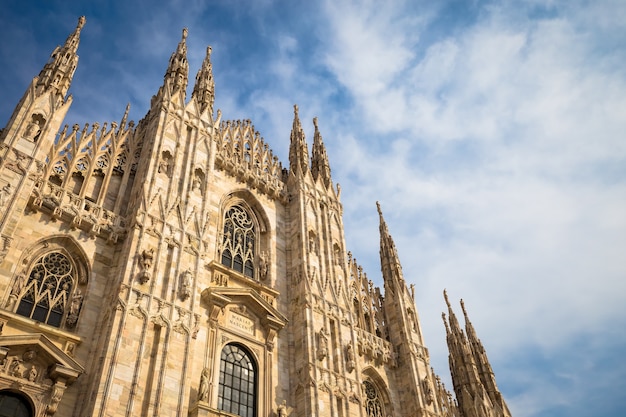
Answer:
(322, 344)
(281, 411)
(203, 391)
(263, 265)
(5, 193)
(185, 284)
(77, 301)
(350, 357)
(145, 262)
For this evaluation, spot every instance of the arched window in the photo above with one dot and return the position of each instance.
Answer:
(49, 294)
(237, 389)
(14, 405)
(373, 402)
(238, 244)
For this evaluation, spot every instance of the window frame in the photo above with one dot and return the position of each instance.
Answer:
(230, 376)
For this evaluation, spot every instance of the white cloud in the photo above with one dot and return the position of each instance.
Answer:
(497, 167)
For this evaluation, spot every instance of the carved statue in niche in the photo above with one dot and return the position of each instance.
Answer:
(32, 130)
(312, 244)
(322, 344)
(16, 290)
(165, 165)
(428, 391)
(32, 374)
(196, 182)
(75, 305)
(145, 262)
(282, 410)
(185, 284)
(5, 194)
(17, 369)
(350, 357)
(203, 390)
(263, 265)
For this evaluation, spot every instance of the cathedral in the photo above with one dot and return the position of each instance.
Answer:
(174, 267)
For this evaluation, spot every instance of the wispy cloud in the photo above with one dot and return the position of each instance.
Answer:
(491, 132)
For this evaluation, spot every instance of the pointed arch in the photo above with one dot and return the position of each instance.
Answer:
(243, 233)
(51, 286)
(377, 401)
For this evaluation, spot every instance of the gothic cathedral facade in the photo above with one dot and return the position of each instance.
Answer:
(175, 268)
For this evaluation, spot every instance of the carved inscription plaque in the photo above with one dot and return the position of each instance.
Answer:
(241, 323)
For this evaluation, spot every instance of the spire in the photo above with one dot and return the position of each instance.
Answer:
(485, 370)
(204, 90)
(124, 118)
(389, 260)
(298, 150)
(320, 168)
(58, 72)
(178, 69)
(472, 377)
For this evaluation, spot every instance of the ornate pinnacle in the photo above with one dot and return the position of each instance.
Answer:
(204, 90)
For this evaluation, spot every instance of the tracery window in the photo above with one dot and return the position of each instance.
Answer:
(238, 244)
(237, 385)
(48, 294)
(373, 402)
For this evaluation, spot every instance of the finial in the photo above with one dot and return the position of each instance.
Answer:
(185, 33)
(295, 109)
(463, 308)
(445, 322)
(315, 123)
(445, 295)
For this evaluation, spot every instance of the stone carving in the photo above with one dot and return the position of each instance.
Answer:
(16, 290)
(428, 390)
(55, 398)
(203, 390)
(282, 410)
(196, 326)
(5, 194)
(219, 279)
(263, 265)
(32, 130)
(185, 285)
(322, 344)
(350, 357)
(145, 262)
(196, 182)
(32, 373)
(4, 249)
(165, 165)
(75, 305)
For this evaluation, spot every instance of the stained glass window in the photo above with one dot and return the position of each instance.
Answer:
(239, 241)
(46, 296)
(373, 403)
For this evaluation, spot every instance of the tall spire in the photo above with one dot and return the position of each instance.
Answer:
(485, 371)
(204, 89)
(389, 260)
(58, 72)
(298, 150)
(320, 168)
(472, 377)
(178, 69)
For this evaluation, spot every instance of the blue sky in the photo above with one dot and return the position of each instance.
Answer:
(493, 133)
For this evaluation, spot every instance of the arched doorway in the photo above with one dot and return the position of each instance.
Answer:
(13, 404)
